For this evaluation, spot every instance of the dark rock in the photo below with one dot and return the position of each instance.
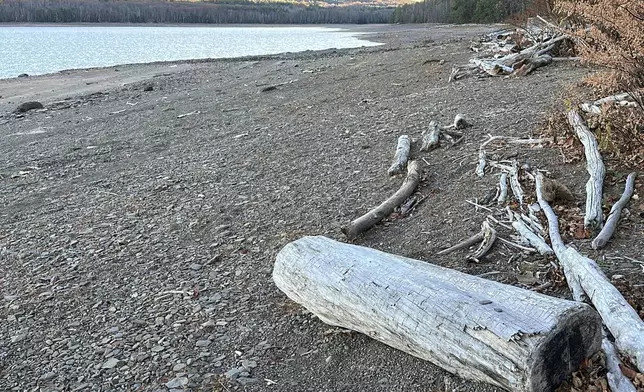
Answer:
(148, 87)
(27, 106)
(23, 75)
(243, 381)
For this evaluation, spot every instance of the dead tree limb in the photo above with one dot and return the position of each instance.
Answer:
(368, 220)
(534, 240)
(489, 236)
(584, 275)
(478, 237)
(615, 212)
(594, 166)
(617, 381)
(503, 189)
(515, 185)
(401, 156)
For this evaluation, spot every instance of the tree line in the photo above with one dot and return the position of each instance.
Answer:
(461, 11)
(226, 11)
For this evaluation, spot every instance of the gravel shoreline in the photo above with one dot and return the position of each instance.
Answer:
(138, 228)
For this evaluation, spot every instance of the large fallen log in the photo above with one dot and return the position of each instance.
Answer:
(368, 220)
(478, 329)
(595, 168)
(586, 277)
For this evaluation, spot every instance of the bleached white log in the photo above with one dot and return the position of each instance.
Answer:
(616, 379)
(537, 242)
(615, 212)
(594, 166)
(620, 318)
(431, 137)
(368, 220)
(478, 329)
(401, 156)
(503, 189)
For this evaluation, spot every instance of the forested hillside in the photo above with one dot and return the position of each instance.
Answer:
(225, 11)
(462, 11)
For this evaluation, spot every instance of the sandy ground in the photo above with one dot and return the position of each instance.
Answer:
(138, 228)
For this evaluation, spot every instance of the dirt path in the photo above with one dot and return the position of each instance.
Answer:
(115, 202)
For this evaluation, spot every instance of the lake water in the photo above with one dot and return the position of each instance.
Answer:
(44, 49)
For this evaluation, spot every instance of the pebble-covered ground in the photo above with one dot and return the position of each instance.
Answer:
(140, 215)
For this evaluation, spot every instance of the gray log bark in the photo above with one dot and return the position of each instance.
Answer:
(616, 379)
(583, 274)
(594, 166)
(401, 156)
(478, 329)
(615, 212)
(368, 220)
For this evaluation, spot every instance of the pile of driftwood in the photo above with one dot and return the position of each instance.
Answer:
(514, 52)
(482, 330)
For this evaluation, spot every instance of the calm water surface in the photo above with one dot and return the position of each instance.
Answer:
(43, 49)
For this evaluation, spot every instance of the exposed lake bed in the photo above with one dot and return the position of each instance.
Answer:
(143, 207)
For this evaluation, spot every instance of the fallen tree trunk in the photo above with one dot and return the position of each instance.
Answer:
(615, 212)
(478, 329)
(585, 277)
(401, 156)
(617, 381)
(368, 220)
(594, 166)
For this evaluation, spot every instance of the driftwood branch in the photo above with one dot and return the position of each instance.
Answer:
(476, 328)
(431, 137)
(489, 236)
(616, 379)
(584, 274)
(534, 240)
(594, 166)
(401, 156)
(503, 189)
(374, 216)
(515, 185)
(615, 212)
(478, 237)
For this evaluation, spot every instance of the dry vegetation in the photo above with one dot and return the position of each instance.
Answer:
(608, 34)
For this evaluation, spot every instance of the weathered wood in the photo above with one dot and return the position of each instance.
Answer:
(534, 240)
(615, 212)
(431, 137)
(594, 166)
(478, 329)
(584, 274)
(616, 379)
(489, 236)
(368, 220)
(515, 185)
(503, 189)
(401, 156)
(478, 237)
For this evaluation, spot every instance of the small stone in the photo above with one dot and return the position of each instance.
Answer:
(249, 364)
(48, 376)
(177, 382)
(110, 363)
(158, 349)
(195, 266)
(208, 324)
(243, 381)
(179, 367)
(19, 337)
(203, 343)
(23, 75)
(27, 106)
(233, 373)
(148, 87)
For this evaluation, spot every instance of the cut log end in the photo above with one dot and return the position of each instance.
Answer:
(478, 329)
(575, 338)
